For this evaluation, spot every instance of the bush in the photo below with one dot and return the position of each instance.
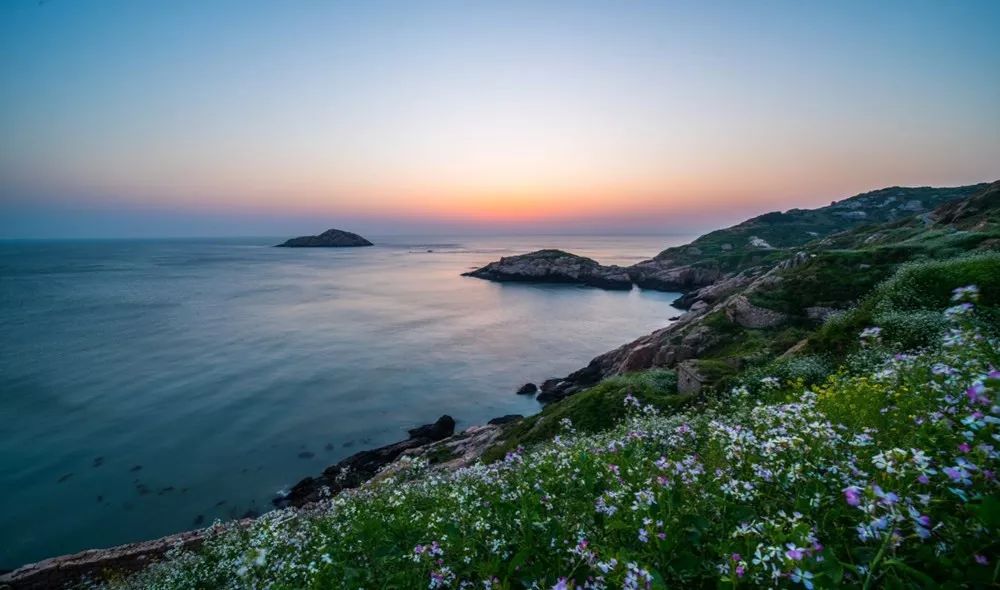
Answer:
(804, 370)
(929, 284)
(909, 330)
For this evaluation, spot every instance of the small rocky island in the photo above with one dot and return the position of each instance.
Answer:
(331, 238)
(554, 266)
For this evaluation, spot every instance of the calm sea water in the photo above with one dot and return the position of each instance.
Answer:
(147, 387)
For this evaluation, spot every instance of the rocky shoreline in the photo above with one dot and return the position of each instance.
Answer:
(557, 266)
(438, 442)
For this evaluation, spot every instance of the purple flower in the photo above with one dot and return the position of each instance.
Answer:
(794, 553)
(852, 495)
(981, 559)
(976, 394)
(560, 585)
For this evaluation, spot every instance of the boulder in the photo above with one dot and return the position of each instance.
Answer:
(740, 311)
(443, 427)
(528, 389)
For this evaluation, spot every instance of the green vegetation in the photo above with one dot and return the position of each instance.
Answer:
(905, 304)
(593, 410)
(730, 249)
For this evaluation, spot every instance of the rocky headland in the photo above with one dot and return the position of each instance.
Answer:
(719, 260)
(554, 266)
(331, 238)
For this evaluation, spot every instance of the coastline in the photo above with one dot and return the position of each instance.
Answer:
(450, 451)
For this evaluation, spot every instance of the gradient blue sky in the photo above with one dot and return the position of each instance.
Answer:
(124, 118)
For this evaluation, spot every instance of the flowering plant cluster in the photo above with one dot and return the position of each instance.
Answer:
(887, 478)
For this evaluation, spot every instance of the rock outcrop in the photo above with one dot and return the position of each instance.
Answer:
(362, 466)
(527, 389)
(665, 275)
(690, 337)
(97, 564)
(331, 238)
(554, 266)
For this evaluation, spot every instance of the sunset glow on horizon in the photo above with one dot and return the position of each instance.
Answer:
(646, 117)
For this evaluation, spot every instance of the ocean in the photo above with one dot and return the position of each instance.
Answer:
(153, 386)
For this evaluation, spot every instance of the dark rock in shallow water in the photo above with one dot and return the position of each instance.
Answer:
(554, 266)
(362, 466)
(444, 426)
(505, 419)
(556, 389)
(331, 238)
(527, 389)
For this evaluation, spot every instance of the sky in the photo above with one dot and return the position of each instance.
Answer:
(123, 118)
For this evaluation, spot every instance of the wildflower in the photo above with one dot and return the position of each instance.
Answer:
(958, 310)
(607, 566)
(770, 381)
(871, 333)
(976, 395)
(643, 535)
(800, 577)
(852, 496)
(966, 293)
(560, 585)
(794, 553)
(958, 475)
(981, 559)
(942, 369)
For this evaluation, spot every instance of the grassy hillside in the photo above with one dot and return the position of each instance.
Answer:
(735, 248)
(882, 474)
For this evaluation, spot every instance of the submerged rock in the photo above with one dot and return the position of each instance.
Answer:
(331, 238)
(554, 266)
